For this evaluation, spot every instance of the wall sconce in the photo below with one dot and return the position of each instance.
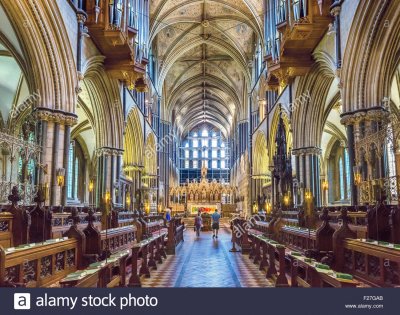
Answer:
(128, 200)
(60, 177)
(91, 185)
(325, 185)
(107, 197)
(255, 208)
(45, 191)
(357, 175)
(268, 207)
(308, 195)
(286, 199)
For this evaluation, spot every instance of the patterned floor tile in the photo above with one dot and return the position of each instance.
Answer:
(207, 262)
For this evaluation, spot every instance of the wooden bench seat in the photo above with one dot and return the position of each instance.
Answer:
(373, 262)
(38, 265)
(156, 246)
(306, 272)
(61, 222)
(107, 273)
(298, 238)
(175, 235)
(117, 239)
(269, 254)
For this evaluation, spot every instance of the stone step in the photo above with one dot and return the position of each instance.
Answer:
(189, 222)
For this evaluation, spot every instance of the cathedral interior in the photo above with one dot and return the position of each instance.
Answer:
(122, 120)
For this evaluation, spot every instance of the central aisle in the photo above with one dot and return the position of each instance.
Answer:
(204, 262)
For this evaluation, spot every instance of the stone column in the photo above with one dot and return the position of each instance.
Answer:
(54, 164)
(352, 159)
(42, 140)
(81, 18)
(108, 173)
(67, 143)
(335, 12)
(352, 121)
(309, 171)
(54, 139)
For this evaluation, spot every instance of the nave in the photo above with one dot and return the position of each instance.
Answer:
(207, 262)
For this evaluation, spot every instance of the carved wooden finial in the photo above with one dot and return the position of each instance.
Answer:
(40, 197)
(91, 218)
(75, 217)
(324, 216)
(343, 215)
(14, 197)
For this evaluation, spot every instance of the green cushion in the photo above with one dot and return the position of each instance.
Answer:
(344, 276)
(322, 266)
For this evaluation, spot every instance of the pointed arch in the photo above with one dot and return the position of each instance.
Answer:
(133, 141)
(49, 63)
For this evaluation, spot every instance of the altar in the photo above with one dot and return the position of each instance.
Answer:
(204, 195)
(194, 208)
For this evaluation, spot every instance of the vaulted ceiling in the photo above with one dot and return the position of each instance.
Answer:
(204, 49)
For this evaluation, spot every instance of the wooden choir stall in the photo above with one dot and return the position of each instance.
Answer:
(333, 247)
(42, 247)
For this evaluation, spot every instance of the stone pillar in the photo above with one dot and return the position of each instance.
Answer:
(121, 196)
(335, 12)
(67, 143)
(250, 152)
(352, 121)
(107, 171)
(352, 159)
(81, 18)
(309, 171)
(54, 164)
(42, 140)
(54, 139)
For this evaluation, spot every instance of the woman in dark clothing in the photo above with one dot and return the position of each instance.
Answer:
(198, 222)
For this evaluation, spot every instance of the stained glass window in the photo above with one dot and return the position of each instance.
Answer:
(70, 172)
(347, 165)
(341, 181)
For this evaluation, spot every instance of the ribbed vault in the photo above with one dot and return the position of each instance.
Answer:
(204, 48)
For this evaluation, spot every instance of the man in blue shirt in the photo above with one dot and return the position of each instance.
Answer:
(215, 223)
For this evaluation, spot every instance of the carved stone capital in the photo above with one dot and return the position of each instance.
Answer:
(377, 113)
(307, 151)
(335, 10)
(107, 151)
(60, 117)
(81, 18)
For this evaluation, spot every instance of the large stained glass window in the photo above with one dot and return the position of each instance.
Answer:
(204, 145)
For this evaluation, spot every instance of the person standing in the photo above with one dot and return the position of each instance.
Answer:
(198, 222)
(215, 223)
(167, 215)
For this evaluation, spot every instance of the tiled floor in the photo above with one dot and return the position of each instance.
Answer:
(204, 262)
